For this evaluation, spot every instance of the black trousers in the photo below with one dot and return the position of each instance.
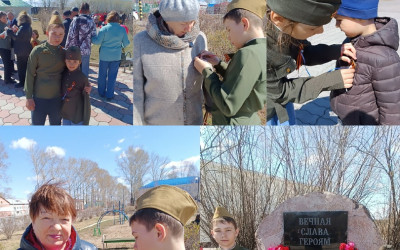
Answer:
(22, 62)
(8, 65)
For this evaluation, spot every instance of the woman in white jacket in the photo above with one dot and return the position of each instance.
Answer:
(167, 87)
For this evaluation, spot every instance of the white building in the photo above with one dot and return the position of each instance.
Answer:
(13, 207)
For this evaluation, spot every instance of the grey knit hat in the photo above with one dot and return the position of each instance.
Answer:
(179, 10)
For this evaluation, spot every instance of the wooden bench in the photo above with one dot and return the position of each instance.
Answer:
(117, 240)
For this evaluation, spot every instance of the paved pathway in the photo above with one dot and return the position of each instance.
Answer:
(119, 111)
(318, 112)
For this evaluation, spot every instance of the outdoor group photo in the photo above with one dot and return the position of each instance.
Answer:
(200, 124)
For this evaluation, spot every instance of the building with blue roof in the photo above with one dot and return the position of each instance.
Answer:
(190, 184)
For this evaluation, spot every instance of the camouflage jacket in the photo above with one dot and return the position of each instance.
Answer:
(80, 34)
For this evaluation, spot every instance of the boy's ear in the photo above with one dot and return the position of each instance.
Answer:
(161, 231)
(237, 232)
(246, 23)
(277, 19)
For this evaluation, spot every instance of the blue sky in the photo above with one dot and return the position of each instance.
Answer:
(100, 144)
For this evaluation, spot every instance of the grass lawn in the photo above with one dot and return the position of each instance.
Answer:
(94, 57)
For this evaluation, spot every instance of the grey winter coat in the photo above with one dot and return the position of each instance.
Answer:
(375, 96)
(166, 86)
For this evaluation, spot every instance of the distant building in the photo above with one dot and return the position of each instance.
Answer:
(217, 8)
(189, 184)
(15, 6)
(203, 5)
(79, 204)
(13, 207)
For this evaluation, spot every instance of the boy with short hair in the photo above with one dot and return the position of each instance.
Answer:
(225, 230)
(43, 76)
(160, 216)
(243, 90)
(76, 102)
(374, 98)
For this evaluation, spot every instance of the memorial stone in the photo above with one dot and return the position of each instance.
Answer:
(318, 221)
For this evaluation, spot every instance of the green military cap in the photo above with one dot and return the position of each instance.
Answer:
(170, 200)
(73, 53)
(258, 7)
(221, 212)
(311, 12)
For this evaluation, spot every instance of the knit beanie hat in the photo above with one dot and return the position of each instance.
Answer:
(361, 9)
(179, 10)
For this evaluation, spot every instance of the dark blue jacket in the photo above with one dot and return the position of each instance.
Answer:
(22, 39)
(67, 23)
(79, 244)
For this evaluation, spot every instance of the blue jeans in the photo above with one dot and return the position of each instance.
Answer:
(274, 121)
(69, 122)
(44, 108)
(108, 72)
(85, 65)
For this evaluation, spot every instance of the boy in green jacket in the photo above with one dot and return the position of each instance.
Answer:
(243, 90)
(43, 76)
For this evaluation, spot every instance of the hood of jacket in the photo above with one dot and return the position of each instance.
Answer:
(157, 30)
(79, 244)
(387, 34)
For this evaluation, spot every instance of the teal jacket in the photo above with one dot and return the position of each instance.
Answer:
(243, 90)
(111, 38)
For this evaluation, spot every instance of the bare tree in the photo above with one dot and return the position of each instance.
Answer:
(251, 170)
(46, 3)
(63, 3)
(133, 166)
(157, 167)
(3, 164)
(44, 165)
(383, 144)
(8, 226)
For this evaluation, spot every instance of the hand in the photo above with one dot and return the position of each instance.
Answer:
(347, 76)
(14, 28)
(88, 89)
(349, 50)
(209, 57)
(30, 104)
(200, 64)
(345, 59)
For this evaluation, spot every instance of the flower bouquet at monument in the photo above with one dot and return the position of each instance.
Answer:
(349, 246)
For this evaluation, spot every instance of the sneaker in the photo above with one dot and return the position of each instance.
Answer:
(19, 85)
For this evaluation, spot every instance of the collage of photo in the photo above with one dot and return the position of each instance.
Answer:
(199, 124)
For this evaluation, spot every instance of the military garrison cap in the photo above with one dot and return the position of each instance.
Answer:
(55, 19)
(311, 12)
(258, 7)
(73, 53)
(221, 212)
(170, 200)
